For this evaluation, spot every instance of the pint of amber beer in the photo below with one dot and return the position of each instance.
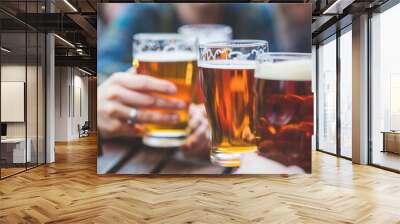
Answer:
(227, 79)
(284, 102)
(205, 33)
(171, 57)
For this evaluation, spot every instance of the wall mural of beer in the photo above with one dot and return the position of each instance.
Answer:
(205, 88)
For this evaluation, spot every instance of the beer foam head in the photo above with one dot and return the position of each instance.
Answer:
(228, 64)
(162, 56)
(292, 70)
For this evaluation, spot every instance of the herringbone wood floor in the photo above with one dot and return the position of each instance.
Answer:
(70, 191)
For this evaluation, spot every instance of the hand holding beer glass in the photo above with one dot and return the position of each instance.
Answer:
(284, 102)
(171, 57)
(227, 80)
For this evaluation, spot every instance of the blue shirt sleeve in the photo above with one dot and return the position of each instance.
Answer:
(115, 45)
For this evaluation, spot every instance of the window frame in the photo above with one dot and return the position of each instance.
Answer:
(334, 37)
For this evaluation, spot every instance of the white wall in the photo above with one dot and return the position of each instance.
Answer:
(10, 73)
(71, 94)
(61, 103)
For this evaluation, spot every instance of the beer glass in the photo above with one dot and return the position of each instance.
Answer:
(284, 101)
(227, 79)
(205, 33)
(171, 57)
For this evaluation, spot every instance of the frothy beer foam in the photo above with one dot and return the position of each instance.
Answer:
(296, 70)
(173, 56)
(228, 64)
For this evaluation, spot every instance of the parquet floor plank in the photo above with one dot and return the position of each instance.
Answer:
(70, 191)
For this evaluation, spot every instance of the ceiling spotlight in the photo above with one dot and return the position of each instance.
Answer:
(337, 7)
(84, 71)
(65, 41)
(5, 49)
(70, 5)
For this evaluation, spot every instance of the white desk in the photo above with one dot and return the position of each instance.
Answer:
(18, 149)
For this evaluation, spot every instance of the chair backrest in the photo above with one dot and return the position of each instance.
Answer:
(86, 125)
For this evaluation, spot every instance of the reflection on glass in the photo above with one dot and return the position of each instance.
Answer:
(327, 97)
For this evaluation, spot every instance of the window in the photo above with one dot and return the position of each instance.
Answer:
(346, 93)
(385, 89)
(327, 96)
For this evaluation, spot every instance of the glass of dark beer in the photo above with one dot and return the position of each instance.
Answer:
(227, 79)
(284, 115)
(172, 57)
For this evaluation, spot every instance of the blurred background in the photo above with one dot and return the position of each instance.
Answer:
(118, 22)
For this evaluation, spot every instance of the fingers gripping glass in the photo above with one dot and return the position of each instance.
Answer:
(171, 57)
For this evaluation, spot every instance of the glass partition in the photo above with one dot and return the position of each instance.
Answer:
(14, 150)
(22, 77)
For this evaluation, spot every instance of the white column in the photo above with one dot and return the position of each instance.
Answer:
(50, 92)
(360, 90)
(50, 100)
